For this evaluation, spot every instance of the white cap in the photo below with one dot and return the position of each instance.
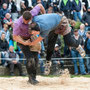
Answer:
(56, 45)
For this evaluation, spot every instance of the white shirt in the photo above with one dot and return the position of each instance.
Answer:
(88, 3)
(30, 3)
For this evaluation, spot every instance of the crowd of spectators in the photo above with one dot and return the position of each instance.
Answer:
(78, 13)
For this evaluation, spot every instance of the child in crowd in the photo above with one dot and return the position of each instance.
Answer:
(57, 54)
(82, 31)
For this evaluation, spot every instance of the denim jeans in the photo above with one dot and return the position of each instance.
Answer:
(3, 56)
(42, 66)
(75, 54)
(77, 14)
(88, 62)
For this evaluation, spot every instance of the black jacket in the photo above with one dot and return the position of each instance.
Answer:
(3, 45)
(86, 18)
(80, 40)
(67, 7)
(75, 6)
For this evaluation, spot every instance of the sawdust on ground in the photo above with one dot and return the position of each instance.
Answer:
(63, 82)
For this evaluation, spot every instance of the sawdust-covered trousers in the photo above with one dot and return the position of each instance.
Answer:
(31, 60)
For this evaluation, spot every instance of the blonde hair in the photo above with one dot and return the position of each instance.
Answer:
(82, 25)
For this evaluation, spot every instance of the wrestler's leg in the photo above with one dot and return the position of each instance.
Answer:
(50, 48)
(65, 30)
(52, 37)
(30, 62)
(35, 54)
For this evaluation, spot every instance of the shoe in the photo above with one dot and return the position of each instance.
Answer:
(12, 74)
(22, 74)
(34, 78)
(88, 73)
(81, 51)
(47, 68)
(76, 74)
(32, 81)
(84, 74)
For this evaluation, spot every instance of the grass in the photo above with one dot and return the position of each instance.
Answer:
(72, 76)
(51, 76)
(10, 76)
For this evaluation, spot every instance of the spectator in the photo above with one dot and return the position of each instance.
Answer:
(8, 20)
(41, 63)
(75, 54)
(6, 31)
(4, 10)
(39, 1)
(17, 50)
(86, 19)
(87, 49)
(86, 4)
(18, 2)
(42, 53)
(13, 61)
(72, 24)
(82, 31)
(66, 7)
(13, 9)
(50, 9)
(34, 2)
(25, 5)
(55, 7)
(0, 23)
(3, 1)
(3, 47)
(76, 5)
(57, 54)
(45, 4)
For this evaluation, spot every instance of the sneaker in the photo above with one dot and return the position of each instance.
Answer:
(47, 68)
(81, 51)
(76, 74)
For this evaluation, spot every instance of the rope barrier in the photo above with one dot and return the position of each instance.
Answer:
(45, 58)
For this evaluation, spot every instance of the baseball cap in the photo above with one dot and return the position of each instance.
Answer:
(56, 45)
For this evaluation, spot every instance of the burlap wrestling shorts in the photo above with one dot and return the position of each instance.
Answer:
(63, 28)
(36, 47)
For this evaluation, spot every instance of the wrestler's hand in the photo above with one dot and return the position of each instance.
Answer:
(31, 44)
(27, 42)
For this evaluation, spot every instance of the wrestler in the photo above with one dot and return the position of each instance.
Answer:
(22, 36)
(51, 25)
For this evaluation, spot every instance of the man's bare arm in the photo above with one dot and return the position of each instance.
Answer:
(42, 8)
(20, 40)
